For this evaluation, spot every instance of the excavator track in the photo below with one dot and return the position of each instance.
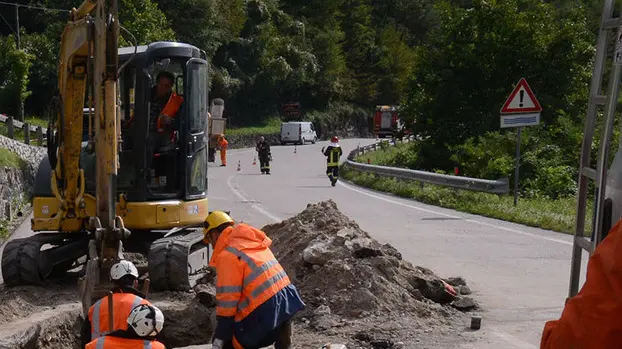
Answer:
(176, 262)
(26, 262)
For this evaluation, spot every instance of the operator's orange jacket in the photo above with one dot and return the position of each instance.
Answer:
(170, 109)
(253, 292)
(111, 342)
(122, 303)
(591, 319)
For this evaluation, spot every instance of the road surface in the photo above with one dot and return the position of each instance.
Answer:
(519, 274)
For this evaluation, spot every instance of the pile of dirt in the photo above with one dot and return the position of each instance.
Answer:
(343, 273)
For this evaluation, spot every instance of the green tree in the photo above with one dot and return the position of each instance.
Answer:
(470, 63)
(14, 68)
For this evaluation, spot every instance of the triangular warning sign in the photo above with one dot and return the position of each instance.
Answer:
(521, 100)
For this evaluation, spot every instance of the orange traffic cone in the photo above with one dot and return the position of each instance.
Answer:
(254, 162)
(239, 168)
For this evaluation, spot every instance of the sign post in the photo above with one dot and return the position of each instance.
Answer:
(519, 110)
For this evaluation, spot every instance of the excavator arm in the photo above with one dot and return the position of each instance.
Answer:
(89, 58)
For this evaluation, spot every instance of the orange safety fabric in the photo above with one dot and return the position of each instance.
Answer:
(247, 272)
(170, 109)
(110, 342)
(591, 319)
(223, 149)
(123, 304)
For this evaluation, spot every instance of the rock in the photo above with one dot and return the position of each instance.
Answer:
(363, 336)
(206, 295)
(464, 304)
(322, 310)
(464, 289)
(456, 281)
(318, 252)
(325, 322)
(366, 252)
(381, 343)
(363, 298)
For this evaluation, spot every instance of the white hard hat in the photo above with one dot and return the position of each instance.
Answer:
(122, 268)
(146, 320)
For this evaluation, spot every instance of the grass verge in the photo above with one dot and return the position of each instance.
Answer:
(270, 126)
(9, 159)
(557, 215)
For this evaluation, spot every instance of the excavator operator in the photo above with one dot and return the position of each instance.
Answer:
(165, 105)
(125, 297)
(591, 319)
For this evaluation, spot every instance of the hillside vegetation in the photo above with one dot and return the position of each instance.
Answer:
(449, 63)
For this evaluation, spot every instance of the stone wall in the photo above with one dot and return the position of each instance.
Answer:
(16, 184)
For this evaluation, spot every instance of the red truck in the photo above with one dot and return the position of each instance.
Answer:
(387, 122)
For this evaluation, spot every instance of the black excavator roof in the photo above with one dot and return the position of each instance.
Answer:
(160, 49)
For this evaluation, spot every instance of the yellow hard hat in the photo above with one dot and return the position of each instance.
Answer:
(216, 219)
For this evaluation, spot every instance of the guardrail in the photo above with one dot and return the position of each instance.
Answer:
(13, 125)
(500, 186)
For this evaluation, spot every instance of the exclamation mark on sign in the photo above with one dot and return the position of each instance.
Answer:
(522, 95)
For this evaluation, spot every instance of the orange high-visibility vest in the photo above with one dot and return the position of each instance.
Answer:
(123, 304)
(591, 319)
(248, 273)
(110, 342)
(170, 109)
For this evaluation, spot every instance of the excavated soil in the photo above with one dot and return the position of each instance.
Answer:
(357, 292)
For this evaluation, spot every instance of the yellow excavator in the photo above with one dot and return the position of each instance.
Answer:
(116, 180)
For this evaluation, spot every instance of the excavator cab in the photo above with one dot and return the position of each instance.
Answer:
(161, 184)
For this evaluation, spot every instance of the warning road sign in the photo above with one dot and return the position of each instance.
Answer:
(521, 100)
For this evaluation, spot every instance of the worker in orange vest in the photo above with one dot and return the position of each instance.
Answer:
(255, 299)
(222, 142)
(125, 297)
(143, 324)
(591, 319)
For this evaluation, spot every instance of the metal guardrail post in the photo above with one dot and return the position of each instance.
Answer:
(10, 127)
(26, 129)
(39, 136)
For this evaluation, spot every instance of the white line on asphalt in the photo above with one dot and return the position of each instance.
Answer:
(347, 186)
(276, 219)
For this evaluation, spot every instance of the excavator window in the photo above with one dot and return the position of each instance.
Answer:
(166, 159)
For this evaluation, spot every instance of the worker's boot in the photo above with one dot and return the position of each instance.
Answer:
(284, 337)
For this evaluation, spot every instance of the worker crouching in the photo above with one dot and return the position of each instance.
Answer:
(255, 300)
(143, 325)
(125, 297)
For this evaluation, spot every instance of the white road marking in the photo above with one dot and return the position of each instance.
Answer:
(276, 219)
(347, 186)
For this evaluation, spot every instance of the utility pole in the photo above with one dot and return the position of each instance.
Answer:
(20, 115)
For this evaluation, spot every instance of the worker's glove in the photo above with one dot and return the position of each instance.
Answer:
(165, 118)
(218, 344)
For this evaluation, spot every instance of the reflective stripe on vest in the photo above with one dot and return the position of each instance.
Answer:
(101, 344)
(333, 157)
(256, 271)
(97, 314)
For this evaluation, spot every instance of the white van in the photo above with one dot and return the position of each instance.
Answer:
(298, 132)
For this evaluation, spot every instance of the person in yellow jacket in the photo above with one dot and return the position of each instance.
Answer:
(222, 142)
(125, 297)
(143, 324)
(591, 319)
(255, 300)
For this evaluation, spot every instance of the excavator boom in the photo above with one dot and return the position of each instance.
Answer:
(88, 58)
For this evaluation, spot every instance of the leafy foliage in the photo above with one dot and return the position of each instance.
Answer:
(449, 63)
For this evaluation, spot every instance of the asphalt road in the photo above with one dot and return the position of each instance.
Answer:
(519, 274)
